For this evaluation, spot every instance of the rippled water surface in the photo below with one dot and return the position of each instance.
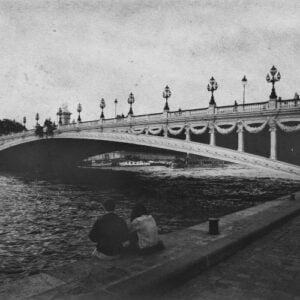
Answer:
(45, 220)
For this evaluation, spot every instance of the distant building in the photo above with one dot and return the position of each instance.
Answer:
(66, 115)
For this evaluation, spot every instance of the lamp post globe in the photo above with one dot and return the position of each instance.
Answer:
(166, 95)
(273, 71)
(211, 87)
(102, 106)
(275, 76)
(130, 100)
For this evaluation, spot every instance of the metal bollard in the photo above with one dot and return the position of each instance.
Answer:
(213, 226)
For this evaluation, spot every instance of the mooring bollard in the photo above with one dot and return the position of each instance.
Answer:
(213, 225)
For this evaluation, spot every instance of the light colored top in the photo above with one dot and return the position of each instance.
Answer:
(146, 229)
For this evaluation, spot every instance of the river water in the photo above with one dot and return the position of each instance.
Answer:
(45, 220)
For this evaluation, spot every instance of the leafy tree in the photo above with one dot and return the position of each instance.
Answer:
(39, 130)
(10, 126)
(50, 127)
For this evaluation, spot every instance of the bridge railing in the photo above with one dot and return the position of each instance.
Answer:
(156, 117)
(258, 106)
(12, 136)
(226, 109)
(149, 118)
(88, 123)
(187, 113)
(290, 103)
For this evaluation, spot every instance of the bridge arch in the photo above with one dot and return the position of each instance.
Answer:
(165, 143)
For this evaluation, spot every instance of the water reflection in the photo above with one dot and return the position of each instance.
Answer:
(44, 220)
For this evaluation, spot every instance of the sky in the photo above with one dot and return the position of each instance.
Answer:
(56, 52)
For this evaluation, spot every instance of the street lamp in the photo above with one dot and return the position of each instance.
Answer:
(37, 117)
(59, 113)
(244, 83)
(116, 102)
(130, 101)
(167, 94)
(275, 77)
(79, 110)
(211, 87)
(102, 106)
(24, 122)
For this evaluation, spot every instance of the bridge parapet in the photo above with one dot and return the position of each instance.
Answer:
(284, 109)
(16, 136)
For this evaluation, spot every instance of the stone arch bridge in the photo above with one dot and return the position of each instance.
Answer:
(172, 131)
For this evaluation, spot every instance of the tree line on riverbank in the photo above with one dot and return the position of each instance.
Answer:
(10, 126)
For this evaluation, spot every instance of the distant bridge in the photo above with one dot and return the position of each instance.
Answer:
(179, 131)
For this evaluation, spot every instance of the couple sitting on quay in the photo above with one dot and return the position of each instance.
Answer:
(114, 237)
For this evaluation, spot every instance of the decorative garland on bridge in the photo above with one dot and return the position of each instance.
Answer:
(174, 131)
(197, 131)
(225, 130)
(286, 128)
(254, 129)
(155, 130)
(137, 130)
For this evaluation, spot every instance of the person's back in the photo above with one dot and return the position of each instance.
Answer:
(146, 229)
(109, 232)
(144, 232)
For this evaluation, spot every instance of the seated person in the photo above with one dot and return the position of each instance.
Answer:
(144, 234)
(109, 232)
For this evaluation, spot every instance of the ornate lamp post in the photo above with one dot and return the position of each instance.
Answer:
(102, 106)
(244, 83)
(24, 122)
(275, 77)
(37, 117)
(59, 113)
(211, 87)
(116, 103)
(79, 110)
(167, 94)
(130, 101)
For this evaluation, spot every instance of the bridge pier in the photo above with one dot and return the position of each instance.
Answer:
(165, 131)
(273, 140)
(187, 134)
(212, 138)
(240, 132)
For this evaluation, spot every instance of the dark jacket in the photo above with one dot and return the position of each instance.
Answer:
(109, 232)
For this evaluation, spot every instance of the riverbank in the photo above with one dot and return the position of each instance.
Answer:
(187, 252)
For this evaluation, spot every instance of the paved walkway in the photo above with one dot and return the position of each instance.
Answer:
(267, 269)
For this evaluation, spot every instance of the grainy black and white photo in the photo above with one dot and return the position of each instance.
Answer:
(149, 149)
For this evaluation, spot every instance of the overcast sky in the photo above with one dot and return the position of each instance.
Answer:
(55, 52)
